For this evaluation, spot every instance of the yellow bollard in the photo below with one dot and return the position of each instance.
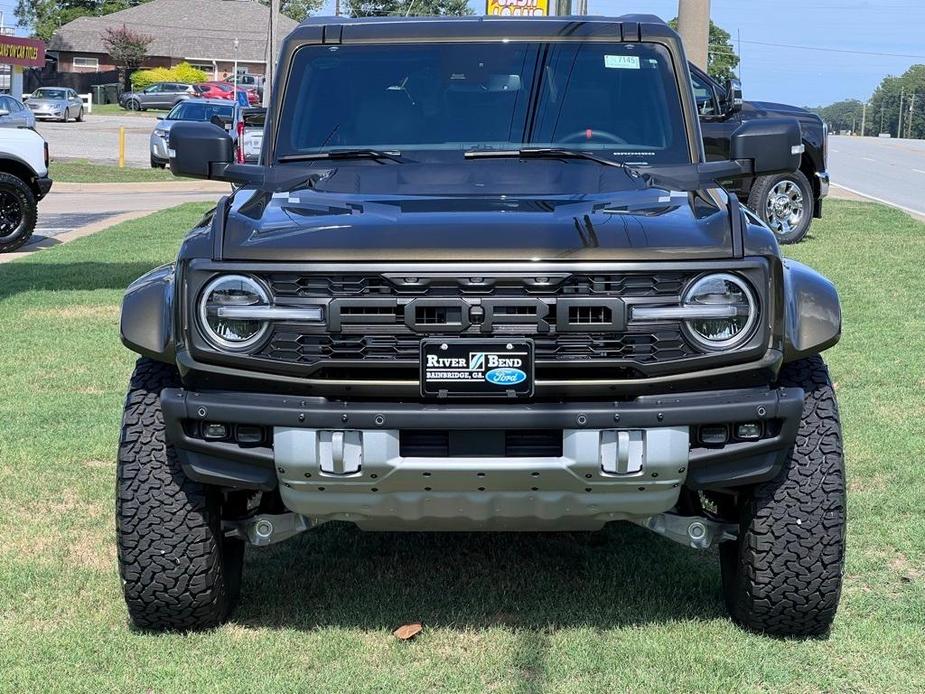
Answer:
(122, 148)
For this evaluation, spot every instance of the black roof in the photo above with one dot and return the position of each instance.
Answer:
(630, 27)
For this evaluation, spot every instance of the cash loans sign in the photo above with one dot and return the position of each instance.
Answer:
(517, 8)
(19, 51)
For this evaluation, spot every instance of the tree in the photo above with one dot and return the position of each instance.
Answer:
(883, 111)
(723, 59)
(298, 9)
(420, 8)
(842, 115)
(128, 49)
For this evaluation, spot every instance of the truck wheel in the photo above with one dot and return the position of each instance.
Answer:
(178, 571)
(18, 213)
(783, 575)
(785, 203)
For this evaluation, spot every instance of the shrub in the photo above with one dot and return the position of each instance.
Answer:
(183, 73)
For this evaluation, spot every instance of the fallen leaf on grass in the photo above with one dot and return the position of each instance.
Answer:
(408, 631)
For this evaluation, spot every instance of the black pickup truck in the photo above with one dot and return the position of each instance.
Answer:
(483, 278)
(787, 202)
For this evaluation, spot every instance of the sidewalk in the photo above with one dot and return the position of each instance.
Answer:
(74, 210)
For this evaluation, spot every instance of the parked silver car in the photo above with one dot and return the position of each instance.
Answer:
(202, 110)
(14, 114)
(56, 103)
(160, 95)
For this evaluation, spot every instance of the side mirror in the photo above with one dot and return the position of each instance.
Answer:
(733, 96)
(204, 150)
(772, 145)
(200, 150)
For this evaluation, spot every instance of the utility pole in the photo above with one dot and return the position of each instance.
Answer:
(563, 8)
(694, 27)
(582, 7)
(911, 113)
(899, 128)
(337, 8)
(272, 50)
(863, 118)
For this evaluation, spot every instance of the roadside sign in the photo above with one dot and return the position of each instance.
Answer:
(242, 98)
(517, 8)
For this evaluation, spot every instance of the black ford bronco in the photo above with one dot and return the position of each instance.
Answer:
(482, 279)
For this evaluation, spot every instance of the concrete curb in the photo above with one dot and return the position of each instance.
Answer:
(152, 187)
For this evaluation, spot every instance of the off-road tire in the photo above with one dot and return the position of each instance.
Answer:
(783, 575)
(178, 571)
(14, 188)
(758, 201)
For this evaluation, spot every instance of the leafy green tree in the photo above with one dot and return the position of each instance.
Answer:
(842, 115)
(298, 9)
(43, 17)
(883, 111)
(422, 8)
(723, 59)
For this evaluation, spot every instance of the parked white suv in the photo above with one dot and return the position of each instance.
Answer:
(23, 182)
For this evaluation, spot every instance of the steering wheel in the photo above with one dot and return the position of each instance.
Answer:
(580, 135)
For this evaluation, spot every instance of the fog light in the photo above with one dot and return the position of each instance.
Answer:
(748, 431)
(714, 435)
(214, 432)
(248, 435)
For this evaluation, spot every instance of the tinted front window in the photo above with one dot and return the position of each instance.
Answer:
(191, 110)
(50, 94)
(614, 99)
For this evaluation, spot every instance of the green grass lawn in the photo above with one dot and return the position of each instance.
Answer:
(115, 109)
(619, 610)
(79, 171)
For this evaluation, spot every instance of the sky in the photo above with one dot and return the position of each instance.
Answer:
(800, 76)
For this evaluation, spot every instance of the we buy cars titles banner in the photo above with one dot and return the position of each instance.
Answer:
(19, 51)
(517, 8)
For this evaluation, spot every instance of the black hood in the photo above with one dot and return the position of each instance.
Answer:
(769, 109)
(503, 210)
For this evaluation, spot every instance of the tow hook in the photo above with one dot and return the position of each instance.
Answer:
(268, 529)
(691, 531)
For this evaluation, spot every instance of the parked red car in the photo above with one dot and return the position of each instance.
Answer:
(224, 90)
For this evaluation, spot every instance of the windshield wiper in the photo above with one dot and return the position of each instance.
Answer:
(541, 153)
(377, 155)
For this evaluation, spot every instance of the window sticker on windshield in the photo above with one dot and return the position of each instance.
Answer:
(621, 62)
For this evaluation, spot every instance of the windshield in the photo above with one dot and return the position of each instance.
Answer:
(50, 94)
(198, 111)
(618, 100)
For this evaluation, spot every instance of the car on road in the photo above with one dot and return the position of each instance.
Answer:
(787, 202)
(24, 182)
(196, 110)
(15, 114)
(161, 95)
(483, 278)
(56, 103)
(249, 81)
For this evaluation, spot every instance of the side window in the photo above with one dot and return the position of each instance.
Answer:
(7, 104)
(706, 99)
(153, 89)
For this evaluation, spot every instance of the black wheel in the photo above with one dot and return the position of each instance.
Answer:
(785, 202)
(156, 164)
(18, 213)
(133, 105)
(178, 571)
(80, 116)
(67, 115)
(783, 575)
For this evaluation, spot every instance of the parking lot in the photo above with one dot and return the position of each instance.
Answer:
(97, 138)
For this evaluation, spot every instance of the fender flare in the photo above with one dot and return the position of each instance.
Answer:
(813, 318)
(146, 324)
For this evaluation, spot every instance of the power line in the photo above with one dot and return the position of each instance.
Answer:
(826, 50)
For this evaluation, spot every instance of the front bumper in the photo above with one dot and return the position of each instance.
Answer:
(44, 186)
(159, 149)
(343, 461)
(824, 183)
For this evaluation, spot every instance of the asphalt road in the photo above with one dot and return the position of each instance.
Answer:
(97, 138)
(892, 171)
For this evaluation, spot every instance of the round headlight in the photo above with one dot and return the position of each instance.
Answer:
(232, 291)
(724, 291)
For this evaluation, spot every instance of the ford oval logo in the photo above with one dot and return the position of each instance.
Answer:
(505, 377)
